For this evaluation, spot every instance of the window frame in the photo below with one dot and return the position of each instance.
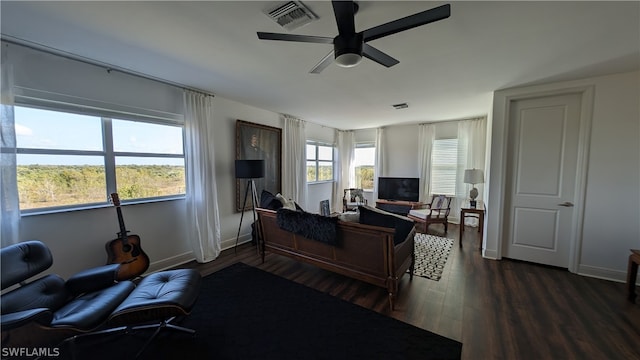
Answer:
(363, 145)
(317, 161)
(107, 153)
(454, 166)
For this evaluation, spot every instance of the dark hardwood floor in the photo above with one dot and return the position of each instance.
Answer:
(498, 309)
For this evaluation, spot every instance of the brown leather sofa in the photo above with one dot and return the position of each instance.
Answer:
(375, 254)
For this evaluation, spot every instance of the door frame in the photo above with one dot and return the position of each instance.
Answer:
(498, 170)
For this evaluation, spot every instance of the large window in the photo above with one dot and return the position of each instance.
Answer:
(444, 160)
(363, 162)
(319, 162)
(70, 160)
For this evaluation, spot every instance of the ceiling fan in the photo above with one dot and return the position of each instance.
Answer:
(350, 46)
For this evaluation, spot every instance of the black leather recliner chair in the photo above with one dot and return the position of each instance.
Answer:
(48, 310)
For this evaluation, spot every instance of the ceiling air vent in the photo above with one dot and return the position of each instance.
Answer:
(400, 106)
(291, 15)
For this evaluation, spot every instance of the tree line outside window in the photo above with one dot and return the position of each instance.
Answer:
(364, 164)
(76, 159)
(319, 162)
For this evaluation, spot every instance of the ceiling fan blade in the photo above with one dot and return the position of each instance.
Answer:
(296, 38)
(326, 61)
(378, 56)
(344, 12)
(406, 23)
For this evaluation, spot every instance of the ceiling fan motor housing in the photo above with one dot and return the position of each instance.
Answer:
(348, 49)
(349, 46)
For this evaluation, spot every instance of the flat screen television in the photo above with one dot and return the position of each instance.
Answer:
(399, 188)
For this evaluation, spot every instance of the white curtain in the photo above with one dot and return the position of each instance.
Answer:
(471, 155)
(9, 202)
(426, 136)
(379, 166)
(294, 160)
(345, 176)
(203, 217)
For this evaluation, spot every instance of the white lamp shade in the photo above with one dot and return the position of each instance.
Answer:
(473, 176)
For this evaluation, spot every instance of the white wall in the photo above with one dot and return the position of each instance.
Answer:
(613, 180)
(64, 79)
(611, 224)
(77, 238)
(401, 155)
(225, 113)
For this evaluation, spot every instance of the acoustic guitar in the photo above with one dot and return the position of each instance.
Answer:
(126, 249)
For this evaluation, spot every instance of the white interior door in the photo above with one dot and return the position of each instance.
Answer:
(542, 165)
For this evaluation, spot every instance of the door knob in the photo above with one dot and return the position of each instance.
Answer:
(566, 204)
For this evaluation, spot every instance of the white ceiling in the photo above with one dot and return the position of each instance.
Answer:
(448, 69)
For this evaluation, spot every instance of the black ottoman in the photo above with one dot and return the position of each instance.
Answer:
(157, 300)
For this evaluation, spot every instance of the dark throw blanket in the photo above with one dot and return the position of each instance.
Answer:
(312, 226)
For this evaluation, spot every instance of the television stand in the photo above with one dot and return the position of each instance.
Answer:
(398, 206)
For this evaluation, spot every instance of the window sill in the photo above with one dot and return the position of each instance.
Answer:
(66, 209)
(320, 182)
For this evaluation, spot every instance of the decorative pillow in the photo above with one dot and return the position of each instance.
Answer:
(286, 203)
(269, 201)
(376, 217)
(312, 226)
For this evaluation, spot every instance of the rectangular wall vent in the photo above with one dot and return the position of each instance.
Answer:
(400, 106)
(291, 15)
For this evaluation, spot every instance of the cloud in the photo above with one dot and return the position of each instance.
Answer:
(22, 130)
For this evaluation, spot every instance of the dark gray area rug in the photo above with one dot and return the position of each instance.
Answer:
(246, 313)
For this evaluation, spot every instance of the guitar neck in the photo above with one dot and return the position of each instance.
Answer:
(123, 229)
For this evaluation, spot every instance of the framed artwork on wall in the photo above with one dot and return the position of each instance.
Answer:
(259, 142)
(325, 209)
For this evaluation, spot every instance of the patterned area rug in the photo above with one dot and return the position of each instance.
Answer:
(431, 255)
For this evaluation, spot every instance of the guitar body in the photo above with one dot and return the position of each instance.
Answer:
(126, 250)
(132, 259)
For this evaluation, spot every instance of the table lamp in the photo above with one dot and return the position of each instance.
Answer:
(473, 177)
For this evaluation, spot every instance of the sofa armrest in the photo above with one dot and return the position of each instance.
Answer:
(18, 319)
(93, 279)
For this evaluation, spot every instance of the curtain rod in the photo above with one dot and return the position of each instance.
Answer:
(455, 120)
(108, 67)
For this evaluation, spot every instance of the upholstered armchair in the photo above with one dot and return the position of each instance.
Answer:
(436, 212)
(352, 199)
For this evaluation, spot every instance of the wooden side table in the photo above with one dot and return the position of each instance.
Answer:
(468, 211)
(632, 274)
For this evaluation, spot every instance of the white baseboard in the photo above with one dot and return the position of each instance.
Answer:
(171, 262)
(602, 273)
(186, 257)
(230, 243)
(490, 254)
(583, 270)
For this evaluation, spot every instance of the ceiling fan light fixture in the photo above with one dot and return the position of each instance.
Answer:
(349, 46)
(348, 50)
(348, 59)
